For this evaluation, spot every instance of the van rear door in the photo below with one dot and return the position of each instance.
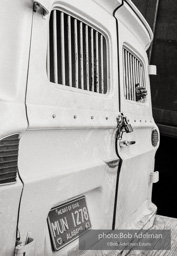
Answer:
(68, 159)
(135, 147)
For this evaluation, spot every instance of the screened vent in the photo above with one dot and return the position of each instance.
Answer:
(77, 55)
(8, 159)
(155, 137)
(134, 77)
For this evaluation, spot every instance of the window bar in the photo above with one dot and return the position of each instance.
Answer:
(48, 57)
(125, 73)
(131, 77)
(140, 75)
(102, 65)
(128, 74)
(97, 63)
(69, 51)
(81, 55)
(137, 74)
(55, 46)
(87, 56)
(138, 71)
(134, 77)
(143, 77)
(92, 59)
(63, 48)
(76, 53)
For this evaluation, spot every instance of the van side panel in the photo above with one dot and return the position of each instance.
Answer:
(15, 31)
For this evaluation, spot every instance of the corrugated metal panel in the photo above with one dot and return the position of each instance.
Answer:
(8, 159)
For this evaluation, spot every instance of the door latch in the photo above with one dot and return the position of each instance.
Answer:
(123, 126)
(126, 143)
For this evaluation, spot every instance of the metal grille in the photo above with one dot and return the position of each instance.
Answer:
(155, 137)
(77, 54)
(133, 74)
(8, 159)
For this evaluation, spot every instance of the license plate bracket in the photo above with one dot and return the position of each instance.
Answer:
(68, 221)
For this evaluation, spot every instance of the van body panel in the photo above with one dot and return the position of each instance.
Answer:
(109, 6)
(68, 146)
(134, 187)
(14, 50)
(15, 31)
(136, 23)
(70, 143)
(70, 169)
(59, 100)
(9, 204)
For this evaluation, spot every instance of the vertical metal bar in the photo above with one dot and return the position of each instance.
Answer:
(87, 56)
(81, 56)
(102, 65)
(55, 46)
(69, 51)
(92, 60)
(140, 74)
(143, 78)
(48, 56)
(63, 48)
(76, 53)
(128, 69)
(137, 81)
(134, 77)
(131, 87)
(97, 63)
(138, 71)
(127, 75)
(125, 72)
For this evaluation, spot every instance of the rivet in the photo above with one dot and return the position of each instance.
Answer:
(53, 115)
(75, 116)
(92, 117)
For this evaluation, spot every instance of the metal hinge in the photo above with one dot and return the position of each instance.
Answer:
(154, 177)
(26, 249)
(41, 4)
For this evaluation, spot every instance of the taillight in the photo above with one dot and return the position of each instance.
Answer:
(9, 159)
(155, 137)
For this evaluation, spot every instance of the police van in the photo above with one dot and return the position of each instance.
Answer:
(77, 135)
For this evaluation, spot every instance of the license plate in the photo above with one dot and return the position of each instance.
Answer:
(68, 221)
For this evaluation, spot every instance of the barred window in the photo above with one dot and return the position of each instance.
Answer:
(134, 77)
(77, 55)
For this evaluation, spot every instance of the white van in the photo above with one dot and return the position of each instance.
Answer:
(77, 135)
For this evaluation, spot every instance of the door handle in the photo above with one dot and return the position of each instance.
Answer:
(126, 143)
